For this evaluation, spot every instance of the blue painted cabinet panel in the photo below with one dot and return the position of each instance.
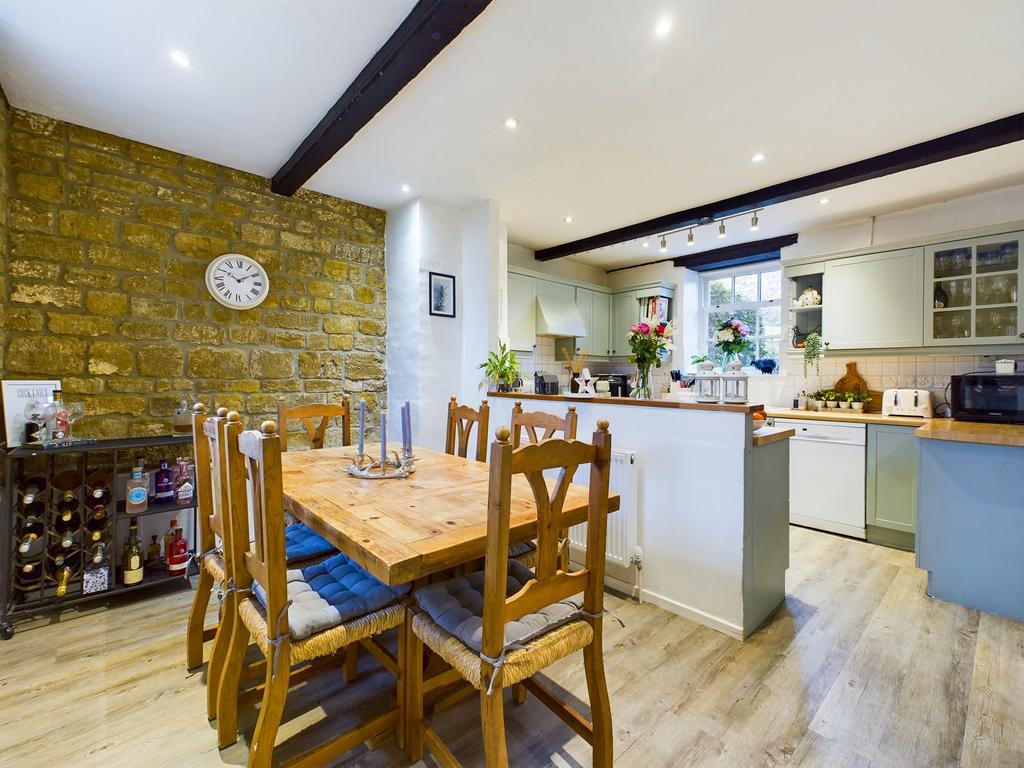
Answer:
(891, 477)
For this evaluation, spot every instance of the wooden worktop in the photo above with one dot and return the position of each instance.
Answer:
(676, 404)
(850, 416)
(972, 432)
(769, 435)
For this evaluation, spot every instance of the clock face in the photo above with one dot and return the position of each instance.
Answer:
(237, 281)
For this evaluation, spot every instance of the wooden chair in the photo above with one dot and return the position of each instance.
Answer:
(497, 665)
(308, 414)
(530, 422)
(255, 484)
(461, 420)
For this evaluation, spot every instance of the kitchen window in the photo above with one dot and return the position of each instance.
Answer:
(753, 294)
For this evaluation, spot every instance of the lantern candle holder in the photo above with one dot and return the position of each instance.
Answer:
(708, 384)
(734, 383)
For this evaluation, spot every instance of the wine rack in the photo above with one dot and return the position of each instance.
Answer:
(63, 525)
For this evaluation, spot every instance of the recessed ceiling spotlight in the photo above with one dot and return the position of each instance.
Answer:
(663, 26)
(511, 123)
(181, 58)
(753, 223)
(664, 244)
(824, 201)
(721, 229)
(689, 238)
(757, 158)
(405, 188)
(568, 219)
(645, 243)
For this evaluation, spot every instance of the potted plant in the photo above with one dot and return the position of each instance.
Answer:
(648, 340)
(502, 368)
(845, 400)
(812, 353)
(859, 401)
(831, 398)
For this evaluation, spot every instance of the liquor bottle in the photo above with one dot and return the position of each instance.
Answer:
(168, 539)
(33, 489)
(184, 488)
(941, 300)
(97, 523)
(61, 422)
(153, 553)
(131, 562)
(98, 483)
(67, 529)
(28, 573)
(164, 485)
(63, 565)
(177, 561)
(68, 505)
(31, 530)
(137, 490)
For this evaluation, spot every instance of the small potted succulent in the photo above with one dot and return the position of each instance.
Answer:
(859, 401)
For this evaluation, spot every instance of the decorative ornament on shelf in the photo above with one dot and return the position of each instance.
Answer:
(650, 341)
(809, 298)
(812, 353)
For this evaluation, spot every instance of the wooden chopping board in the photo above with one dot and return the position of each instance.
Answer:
(852, 381)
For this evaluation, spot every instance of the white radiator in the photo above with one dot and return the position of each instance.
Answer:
(622, 525)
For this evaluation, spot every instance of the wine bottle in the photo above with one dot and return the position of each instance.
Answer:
(97, 552)
(31, 530)
(33, 489)
(164, 483)
(131, 562)
(63, 565)
(99, 487)
(67, 529)
(96, 523)
(28, 573)
(68, 505)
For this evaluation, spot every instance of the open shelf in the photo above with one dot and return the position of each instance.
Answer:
(816, 307)
(154, 509)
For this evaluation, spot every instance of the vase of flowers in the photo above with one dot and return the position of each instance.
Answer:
(648, 341)
(731, 339)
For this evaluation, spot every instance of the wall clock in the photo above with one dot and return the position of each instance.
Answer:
(237, 281)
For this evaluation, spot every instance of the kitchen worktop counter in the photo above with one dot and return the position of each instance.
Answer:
(769, 435)
(852, 417)
(972, 432)
(673, 404)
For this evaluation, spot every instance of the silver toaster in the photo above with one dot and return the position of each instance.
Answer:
(907, 402)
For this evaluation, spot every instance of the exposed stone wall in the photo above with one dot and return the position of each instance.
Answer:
(4, 120)
(108, 244)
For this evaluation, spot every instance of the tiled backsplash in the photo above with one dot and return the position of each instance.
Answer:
(929, 372)
(543, 359)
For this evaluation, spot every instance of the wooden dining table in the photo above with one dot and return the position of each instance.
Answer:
(404, 530)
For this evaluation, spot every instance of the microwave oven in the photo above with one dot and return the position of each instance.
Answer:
(988, 397)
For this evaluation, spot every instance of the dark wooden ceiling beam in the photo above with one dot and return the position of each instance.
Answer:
(753, 252)
(994, 134)
(422, 35)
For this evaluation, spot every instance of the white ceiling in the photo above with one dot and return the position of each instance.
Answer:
(616, 124)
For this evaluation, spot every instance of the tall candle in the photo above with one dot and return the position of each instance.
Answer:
(362, 424)
(383, 438)
(408, 428)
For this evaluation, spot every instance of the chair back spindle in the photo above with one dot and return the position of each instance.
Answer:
(315, 418)
(461, 420)
(551, 583)
(214, 475)
(539, 426)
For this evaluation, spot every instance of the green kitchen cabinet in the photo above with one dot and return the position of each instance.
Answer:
(891, 478)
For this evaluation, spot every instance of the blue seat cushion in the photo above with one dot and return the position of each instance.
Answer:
(303, 543)
(457, 606)
(330, 593)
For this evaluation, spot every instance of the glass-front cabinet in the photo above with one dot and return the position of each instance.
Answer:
(973, 291)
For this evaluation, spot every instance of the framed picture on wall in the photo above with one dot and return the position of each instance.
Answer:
(441, 291)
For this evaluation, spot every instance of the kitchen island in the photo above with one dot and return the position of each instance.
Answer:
(970, 514)
(711, 510)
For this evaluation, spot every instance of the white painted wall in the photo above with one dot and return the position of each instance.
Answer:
(483, 279)
(520, 256)
(980, 210)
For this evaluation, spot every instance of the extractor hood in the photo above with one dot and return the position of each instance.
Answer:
(559, 318)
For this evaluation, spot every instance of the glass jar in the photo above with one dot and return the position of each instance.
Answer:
(182, 419)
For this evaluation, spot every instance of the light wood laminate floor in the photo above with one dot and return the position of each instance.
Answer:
(858, 669)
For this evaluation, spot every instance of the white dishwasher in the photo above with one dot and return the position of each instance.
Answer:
(826, 475)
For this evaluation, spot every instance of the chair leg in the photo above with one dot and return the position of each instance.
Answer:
(197, 620)
(227, 686)
(271, 710)
(492, 718)
(221, 643)
(601, 713)
(519, 693)
(413, 694)
(351, 669)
